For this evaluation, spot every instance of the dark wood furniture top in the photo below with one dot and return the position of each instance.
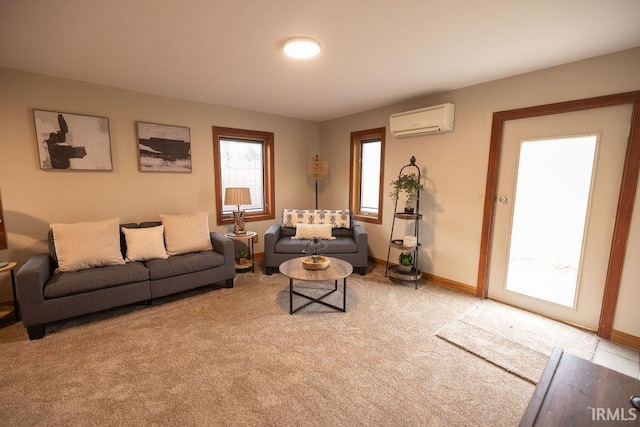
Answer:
(575, 392)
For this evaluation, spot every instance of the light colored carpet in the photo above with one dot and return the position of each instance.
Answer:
(237, 357)
(515, 340)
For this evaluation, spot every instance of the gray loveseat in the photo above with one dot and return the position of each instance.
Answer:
(46, 296)
(350, 243)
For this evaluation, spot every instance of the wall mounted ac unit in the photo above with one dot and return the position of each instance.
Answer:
(424, 121)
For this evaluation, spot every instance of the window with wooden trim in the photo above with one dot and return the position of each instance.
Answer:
(367, 173)
(244, 158)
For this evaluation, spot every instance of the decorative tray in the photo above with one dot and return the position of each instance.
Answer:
(323, 262)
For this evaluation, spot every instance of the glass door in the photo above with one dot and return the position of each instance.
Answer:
(558, 186)
(546, 246)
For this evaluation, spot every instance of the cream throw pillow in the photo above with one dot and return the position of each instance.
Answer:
(309, 231)
(145, 243)
(186, 233)
(87, 244)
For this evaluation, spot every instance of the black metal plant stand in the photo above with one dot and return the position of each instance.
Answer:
(392, 270)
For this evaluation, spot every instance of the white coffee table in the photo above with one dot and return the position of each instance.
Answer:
(338, 269)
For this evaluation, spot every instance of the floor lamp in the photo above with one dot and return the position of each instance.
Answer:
(317, 168)
(238, 196)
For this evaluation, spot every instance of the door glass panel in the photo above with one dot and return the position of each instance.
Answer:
(549, 217)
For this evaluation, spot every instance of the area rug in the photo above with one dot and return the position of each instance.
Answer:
(515, 340)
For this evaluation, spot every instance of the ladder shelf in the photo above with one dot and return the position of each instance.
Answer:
(396, 270)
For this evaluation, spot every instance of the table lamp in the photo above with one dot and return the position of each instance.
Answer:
(237, 196)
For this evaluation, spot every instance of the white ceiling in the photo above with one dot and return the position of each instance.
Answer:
(375, 52)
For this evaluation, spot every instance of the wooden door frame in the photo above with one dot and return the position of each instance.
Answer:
(626, 197)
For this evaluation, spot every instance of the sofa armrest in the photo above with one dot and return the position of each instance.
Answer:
(30, 282)
(271, 236)
(360, 236)
(225, 246)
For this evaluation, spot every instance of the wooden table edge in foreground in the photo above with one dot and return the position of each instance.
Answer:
(575, 391)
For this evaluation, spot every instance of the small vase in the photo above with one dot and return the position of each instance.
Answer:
(408, 210)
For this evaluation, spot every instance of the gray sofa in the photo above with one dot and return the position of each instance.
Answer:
(350, 243)
(47, 297)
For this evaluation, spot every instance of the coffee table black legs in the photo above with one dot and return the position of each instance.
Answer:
(319, 299)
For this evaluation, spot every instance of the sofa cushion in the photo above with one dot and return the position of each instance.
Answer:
(186, 233)
(341, 245)
(337, 218)
(76, 282)
(309, 231)
(342, 232)
(183, 264)
(123, 240)
(85, 245)
(149, 224)
(144, 243)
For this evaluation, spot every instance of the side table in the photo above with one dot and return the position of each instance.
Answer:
(11, 267)
(248, 236)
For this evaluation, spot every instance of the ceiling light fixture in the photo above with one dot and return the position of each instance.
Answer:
(301, 47)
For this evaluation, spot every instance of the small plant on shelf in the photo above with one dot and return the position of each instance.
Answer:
(242, 256)
(405, 261)
(410, 184)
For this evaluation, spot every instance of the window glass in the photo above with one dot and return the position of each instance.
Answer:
(242, 165)
(366, 177)
(370, 176)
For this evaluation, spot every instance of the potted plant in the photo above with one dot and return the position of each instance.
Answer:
(242, 256)
(410, 184)
(405, 261)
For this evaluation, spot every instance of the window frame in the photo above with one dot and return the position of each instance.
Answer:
(355, 173)
(267, 139)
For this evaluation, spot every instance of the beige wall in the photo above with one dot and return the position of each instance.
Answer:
(455, 164)
(32, 198)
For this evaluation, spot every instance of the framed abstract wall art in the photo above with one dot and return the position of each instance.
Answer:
(72, 141)
(163, 148)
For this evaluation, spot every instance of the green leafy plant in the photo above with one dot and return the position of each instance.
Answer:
(408, 183)
(242, 254)
(406, 259)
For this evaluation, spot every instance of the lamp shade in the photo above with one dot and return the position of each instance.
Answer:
(317, 167)
(237, 196)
